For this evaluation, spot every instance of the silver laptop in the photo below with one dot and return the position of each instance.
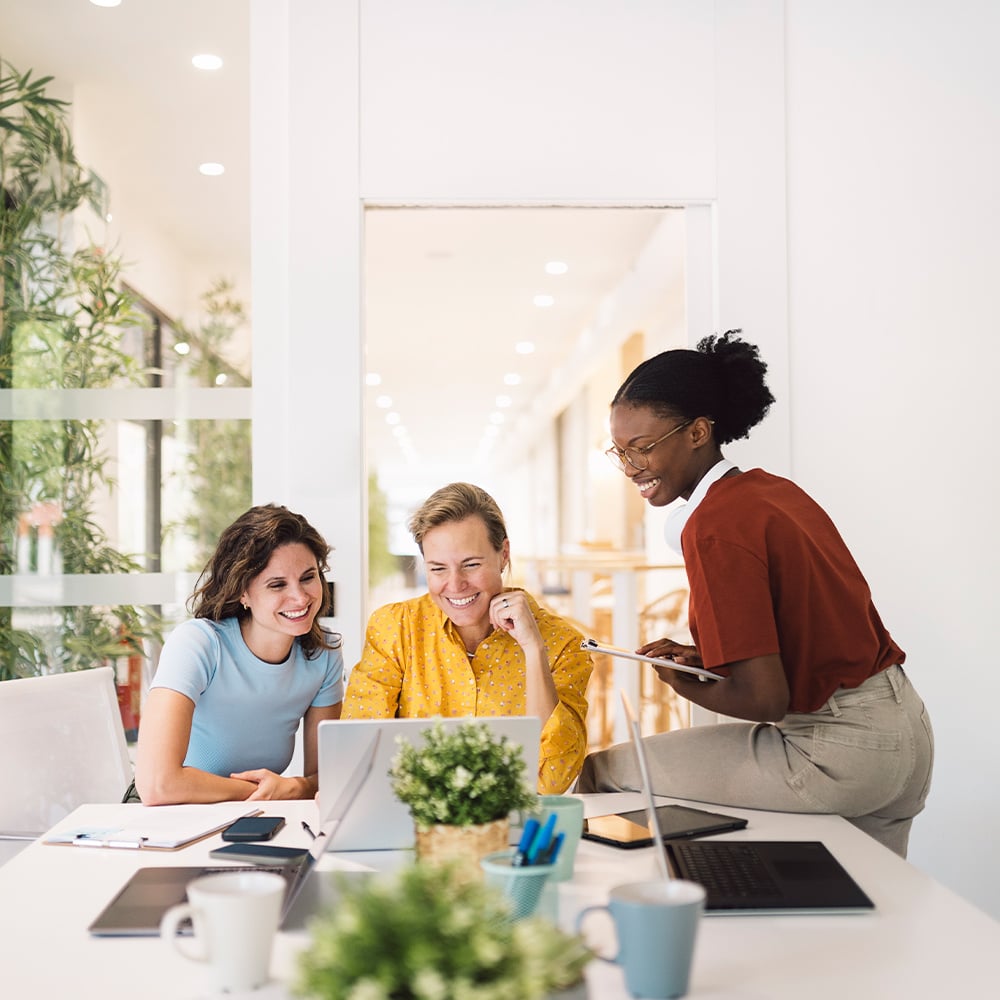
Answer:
(377, 820)
(751, 876)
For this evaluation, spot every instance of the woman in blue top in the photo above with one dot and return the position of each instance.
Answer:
(234, 682)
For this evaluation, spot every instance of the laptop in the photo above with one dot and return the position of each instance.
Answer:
(751, 876)
(138, 907)
(378, 821)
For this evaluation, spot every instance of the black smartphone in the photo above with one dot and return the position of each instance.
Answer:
(631, 829)
(253, 828)
(259, 854)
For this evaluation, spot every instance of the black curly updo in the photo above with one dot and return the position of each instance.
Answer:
(722, 380)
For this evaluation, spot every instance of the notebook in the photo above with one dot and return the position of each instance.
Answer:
(159, 828)
(751, 876)
(138, 907)
(378, 821)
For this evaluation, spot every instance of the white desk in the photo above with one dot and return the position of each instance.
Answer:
(922, 941)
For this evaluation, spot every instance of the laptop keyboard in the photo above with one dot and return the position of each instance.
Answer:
(726, 870)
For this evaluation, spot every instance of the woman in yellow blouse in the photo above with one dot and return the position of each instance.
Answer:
(471, 646)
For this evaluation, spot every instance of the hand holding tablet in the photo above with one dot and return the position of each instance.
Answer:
(595, 647)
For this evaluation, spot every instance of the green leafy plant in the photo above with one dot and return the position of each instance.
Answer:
(63, 316)
(426, 934)
(460, 777)
(217, 469)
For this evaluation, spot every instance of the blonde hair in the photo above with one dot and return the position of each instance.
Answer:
(456, 502)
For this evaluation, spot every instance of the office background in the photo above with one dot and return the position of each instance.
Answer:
(837, 165)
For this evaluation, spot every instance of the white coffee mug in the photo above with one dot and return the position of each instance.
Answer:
(235, 917)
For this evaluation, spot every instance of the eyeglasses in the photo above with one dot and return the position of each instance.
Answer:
(636, 457)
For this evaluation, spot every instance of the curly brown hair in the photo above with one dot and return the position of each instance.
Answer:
(243, 551)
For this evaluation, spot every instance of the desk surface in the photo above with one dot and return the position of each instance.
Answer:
(922, 940)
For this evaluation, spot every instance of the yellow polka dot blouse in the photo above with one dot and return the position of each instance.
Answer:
(415, 665)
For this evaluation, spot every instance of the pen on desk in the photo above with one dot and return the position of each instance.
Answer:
(524, 844)
(308, 829)
(541, 843)
(552, 853)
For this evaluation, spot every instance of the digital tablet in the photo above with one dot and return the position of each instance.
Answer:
(630, 829)
(593, 646)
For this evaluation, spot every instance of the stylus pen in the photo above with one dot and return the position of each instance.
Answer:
(308, 829)
(524, 844)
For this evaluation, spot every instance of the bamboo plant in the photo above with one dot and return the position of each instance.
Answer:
(63, 314)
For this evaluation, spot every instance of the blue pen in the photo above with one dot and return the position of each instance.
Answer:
(553, 852)
(524, 845)
(542, 840)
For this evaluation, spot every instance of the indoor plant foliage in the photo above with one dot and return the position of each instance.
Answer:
(63, 316)
(217, 469)
(460, 777)
(427, 934)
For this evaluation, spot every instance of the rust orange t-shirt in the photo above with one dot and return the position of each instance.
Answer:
(769, 573)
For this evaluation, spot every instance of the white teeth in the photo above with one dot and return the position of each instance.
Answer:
(459, 603)
(295, 615)
(648, 486)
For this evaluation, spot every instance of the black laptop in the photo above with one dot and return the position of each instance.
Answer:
(752, 876)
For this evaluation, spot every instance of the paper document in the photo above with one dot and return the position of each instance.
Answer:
(163, 828)
(595, 647)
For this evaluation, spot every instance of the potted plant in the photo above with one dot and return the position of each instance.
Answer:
(461, 786)
(427, 933)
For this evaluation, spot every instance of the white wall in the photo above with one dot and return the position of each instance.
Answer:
(848, 156)
(894, 247)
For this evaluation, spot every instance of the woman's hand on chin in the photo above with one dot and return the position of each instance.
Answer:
(511, 612)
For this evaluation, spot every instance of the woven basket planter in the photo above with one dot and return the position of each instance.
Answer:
(462, 845)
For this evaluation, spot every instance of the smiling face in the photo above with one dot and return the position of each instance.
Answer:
(464, 571)
(284, 599)
(676, 463)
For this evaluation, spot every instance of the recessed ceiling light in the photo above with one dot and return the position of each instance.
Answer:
(543, 301)
(182, 348)
(392, 418)
(212, 169)
(205, 60)
(384, 402)
(221, 379)
(524, 347)
(105, 3)
(373, 378)
(512, 378)
(496, 418)
(556, 267)
(503, 402)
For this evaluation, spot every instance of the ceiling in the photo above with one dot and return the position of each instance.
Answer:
(449, 293)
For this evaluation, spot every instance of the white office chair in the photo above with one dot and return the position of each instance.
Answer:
(61, 744)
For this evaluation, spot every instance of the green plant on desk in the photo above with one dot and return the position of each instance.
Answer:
(460, 777)
(426, 934)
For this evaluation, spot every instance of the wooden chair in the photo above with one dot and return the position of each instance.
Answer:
(661, 708)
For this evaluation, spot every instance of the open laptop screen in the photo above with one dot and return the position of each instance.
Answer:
(377, 820)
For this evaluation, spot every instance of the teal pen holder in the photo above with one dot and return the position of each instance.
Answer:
(521, 885)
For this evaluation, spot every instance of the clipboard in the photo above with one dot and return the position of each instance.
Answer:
(157, 828)
(593, 646)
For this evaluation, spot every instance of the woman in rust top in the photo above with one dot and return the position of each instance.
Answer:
(778, 607)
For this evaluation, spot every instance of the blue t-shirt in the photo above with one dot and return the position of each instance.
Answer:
(246, 711)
